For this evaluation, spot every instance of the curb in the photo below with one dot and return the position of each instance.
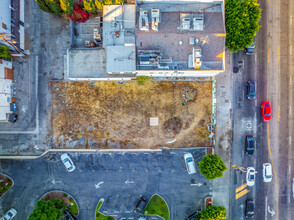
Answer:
(63, 192)
(102, 200)
(11, 185)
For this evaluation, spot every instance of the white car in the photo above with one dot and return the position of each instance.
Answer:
(191, 168)
(69, 165)
(9, 215)
(250, 176)
(267, 172)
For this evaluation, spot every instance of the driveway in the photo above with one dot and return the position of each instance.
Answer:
(118, 177)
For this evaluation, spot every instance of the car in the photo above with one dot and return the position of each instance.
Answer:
(250, 176)
(251, 90)
(266, 111)
(9, 215)
(190, 164)
(69, 165)
(249, 145)
(249, 210)
(140, 206)
(267, 172)
(250, 50)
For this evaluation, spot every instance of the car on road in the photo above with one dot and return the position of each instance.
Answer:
(69, 165)
(9, 215)
(267, 172)
(249, 145)
(250, 176)
(250, 50)
(251, 90)
(266, 111)
(140, 206)
(190, 164)
(249, 210)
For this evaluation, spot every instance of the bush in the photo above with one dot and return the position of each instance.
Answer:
(213, 213)
(142, 79)
(64, 195)
(89, 6)
(5, 52)
(74, 209)
(71, 200)
(79, 14)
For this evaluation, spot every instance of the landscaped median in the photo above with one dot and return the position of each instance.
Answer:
(99, 215)
(5, 184)
(157, 206)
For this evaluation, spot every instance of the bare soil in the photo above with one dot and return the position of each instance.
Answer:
(57, 195)
(109, 112)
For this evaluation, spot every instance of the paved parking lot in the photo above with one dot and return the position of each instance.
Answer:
(118, 177)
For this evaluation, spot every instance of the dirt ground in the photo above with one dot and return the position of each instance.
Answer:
(117, 115)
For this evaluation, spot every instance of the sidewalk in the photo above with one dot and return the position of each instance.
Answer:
(224, 96)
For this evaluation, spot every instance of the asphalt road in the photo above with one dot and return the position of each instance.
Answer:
(118, 177)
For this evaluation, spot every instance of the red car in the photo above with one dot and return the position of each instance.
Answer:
(266, 111)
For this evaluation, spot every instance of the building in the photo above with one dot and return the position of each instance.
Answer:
(7, 102)
(12, 26)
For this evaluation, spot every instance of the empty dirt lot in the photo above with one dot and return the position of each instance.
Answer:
(117, 115)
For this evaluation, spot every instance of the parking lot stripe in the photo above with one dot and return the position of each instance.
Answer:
(242, 193)
(241, 187)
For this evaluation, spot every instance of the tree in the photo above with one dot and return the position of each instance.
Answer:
(43, 6)
(89, 6)
(50, 6)
(5, 52)
(48, 210)
(67, 6)
(213, 213)
(212, 166)
(242, 23)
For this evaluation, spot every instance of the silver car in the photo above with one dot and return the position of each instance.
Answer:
(9, 215)
(267, 172)
(69, 165)
(190, 165)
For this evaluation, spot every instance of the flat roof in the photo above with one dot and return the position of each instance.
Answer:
(120, 59)
(5, 16)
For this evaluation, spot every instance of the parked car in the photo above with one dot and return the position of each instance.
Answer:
(251, 90)
(266, 111)
(140, 206)
(69, 165)
(9, 215)
(250, 50)
(267, 172)
(250, 176)
(190, 164)
(249, 145)
(249, 210)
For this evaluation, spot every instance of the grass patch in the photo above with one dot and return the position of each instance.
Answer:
(157, 206)
(100, 216)
(74, 208)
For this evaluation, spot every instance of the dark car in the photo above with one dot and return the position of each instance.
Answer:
(249, 211)
(250, 50)
(140, 206)
(251, 89)
(249, 145)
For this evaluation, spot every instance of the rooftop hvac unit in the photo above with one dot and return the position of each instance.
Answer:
(143, 21)
(185, 23)
(198, 22)
(155, 15)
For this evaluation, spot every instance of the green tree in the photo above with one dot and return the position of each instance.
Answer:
(48, 210)
(212, 166)
(5, 52)
(213, 213)
(242, 23)
(50, 6)
(43, 6)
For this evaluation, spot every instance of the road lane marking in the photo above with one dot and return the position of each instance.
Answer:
(273, 166)
(265, 214)
(279, 114)
(242, 193)
(241, 187)
(290, 140)
(255, 57)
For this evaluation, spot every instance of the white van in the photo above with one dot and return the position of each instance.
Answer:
(191, 168)
(267, 172)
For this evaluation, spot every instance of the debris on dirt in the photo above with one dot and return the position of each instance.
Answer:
(111, 113)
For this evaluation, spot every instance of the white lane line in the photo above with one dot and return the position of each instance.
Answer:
(288, 198)
(291, 20)
(290, 49)
(290, 140)
(255, 57)
(290, 109)
(289, 168)
(265, 214)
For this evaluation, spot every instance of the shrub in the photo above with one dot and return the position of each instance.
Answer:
(79, 15)
(74, 209)
(99, 4)
(71, 200)
(142, 79)
(67, 6)
(5, 52)
(212, 166)
(89, 6)
(64, 195)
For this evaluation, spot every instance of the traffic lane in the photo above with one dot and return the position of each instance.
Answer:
(102, 175)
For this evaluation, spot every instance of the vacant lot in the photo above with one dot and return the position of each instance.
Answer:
(117, 115)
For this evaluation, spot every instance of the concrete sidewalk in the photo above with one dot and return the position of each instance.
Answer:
(224, 98)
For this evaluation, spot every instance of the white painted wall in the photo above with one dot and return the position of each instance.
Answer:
(5, 16)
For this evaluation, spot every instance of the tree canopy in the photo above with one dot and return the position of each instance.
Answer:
(48, 210)
(242, 23)
(213, 213)
(212, 166)
(5, 52)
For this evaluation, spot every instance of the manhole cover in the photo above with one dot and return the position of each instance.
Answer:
(249, 125)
